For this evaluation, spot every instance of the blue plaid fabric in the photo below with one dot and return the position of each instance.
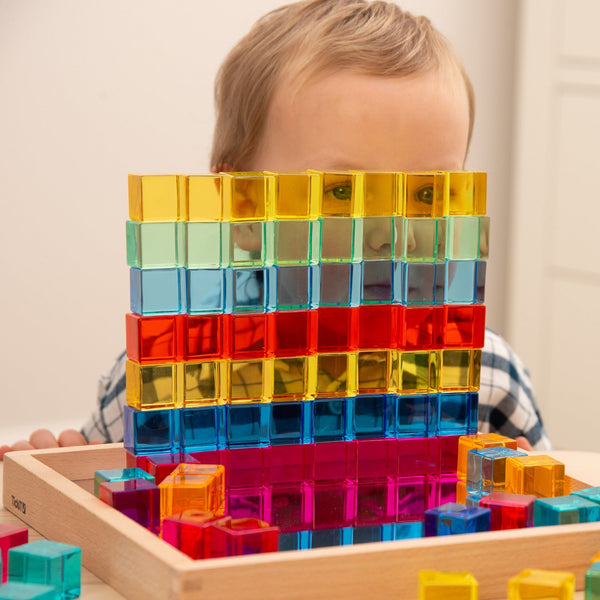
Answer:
(506, 400)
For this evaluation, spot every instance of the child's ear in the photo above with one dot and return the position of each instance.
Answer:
(247, 236)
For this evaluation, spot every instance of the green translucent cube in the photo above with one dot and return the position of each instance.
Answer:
(377, 238)
(47, 563)
(294, 242)
(26, 591)
(207, 245)
(341, 239)
(462, 238)
(119, 475)
(419, 239)
(155, 245)
(247, 247)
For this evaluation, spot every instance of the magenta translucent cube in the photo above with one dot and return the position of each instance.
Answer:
(292, 463)
(236, 537)
(248, 503)
(246, 467)
(10, 536)
(161, 465)
(334, 504)
(417, 456)
(334, 461)
(138, 499)
(376, 459)
(292, 506)
(411, 493)
(376, 502)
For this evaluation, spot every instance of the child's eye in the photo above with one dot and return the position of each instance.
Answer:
(425, 194)
(340, 192)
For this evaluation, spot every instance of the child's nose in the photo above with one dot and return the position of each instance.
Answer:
(379, 236)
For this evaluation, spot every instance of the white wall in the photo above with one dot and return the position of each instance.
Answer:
(91, 91)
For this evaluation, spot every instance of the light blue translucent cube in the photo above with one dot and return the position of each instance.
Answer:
(157, 291)
(26, 591)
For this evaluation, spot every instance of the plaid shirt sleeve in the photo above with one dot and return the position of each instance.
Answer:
(506, 401)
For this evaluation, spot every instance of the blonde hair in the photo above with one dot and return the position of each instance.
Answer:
(376, 38)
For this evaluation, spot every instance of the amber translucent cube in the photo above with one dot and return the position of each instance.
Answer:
(336, 375)
(466, 193)
(250, 380)
(544, 585)
(438, 585)
(380, 193)
(244, 196)
(157, 198)
(152, 386)
(374, 368)
(288, 196)
(193, 487)
(204, 198)
(455, 370)
(417, 372)
(292, 378)
(204, 383)
(541, 476)
(336, 193)
(423, 194)
(481, 440)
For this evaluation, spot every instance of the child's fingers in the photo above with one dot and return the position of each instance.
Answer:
(43, 438)
(70, 437)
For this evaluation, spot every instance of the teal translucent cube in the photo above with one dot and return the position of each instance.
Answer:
(47, 563)
(419, 240)
(592, 494)
(119, 475)
(486, 469)
(155, 245)
(207, 245)
(592, 582)
(247, 244)
(341, 239)
(26, 591)
(294, 242)
(563, 510)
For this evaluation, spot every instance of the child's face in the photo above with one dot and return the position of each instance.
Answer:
(347, 120)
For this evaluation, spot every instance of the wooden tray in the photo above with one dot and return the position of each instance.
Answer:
(52, 491)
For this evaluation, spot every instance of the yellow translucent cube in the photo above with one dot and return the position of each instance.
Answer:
(423, 194)
(250, 381)
(157, 198)
(336, 375)
(292, 379)
(193, 487)
(455, 370)
(438, 585)
(374, 368)
(480, 440)
(538, 584)
(288, 196)
(541, 476)
(152, 386)
(244, 196)
(416, 372)
(475, 375)
(204, 201)
(336, 193)
(380, 193)
(466, 193)
(204, 383)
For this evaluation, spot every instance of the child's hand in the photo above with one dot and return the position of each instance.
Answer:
(42, 438)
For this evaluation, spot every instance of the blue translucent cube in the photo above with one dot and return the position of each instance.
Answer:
(592, 494)
(157, 291)
(417, 283)
(330, 419)
(203, 428)
(338, 284)
(250, 289)
(563, 510)
(416, 415)
(206, 291)
(247, 425)
(374, 415)
(27, 591)
(377, 282)
(150, 431)
(592, 582)
(47, 563)
(460, 281)
(486, 469)
(452, 518)
(338, 536)
(457, 413)
(293, 286)
(290, 423)
(407, 530)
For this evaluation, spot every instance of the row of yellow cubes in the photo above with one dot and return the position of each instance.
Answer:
(335, 375)
(256, 196)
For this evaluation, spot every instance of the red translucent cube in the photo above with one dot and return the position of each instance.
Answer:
(151, 338)
(377, 326)
(10, 536)
(509, 511)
